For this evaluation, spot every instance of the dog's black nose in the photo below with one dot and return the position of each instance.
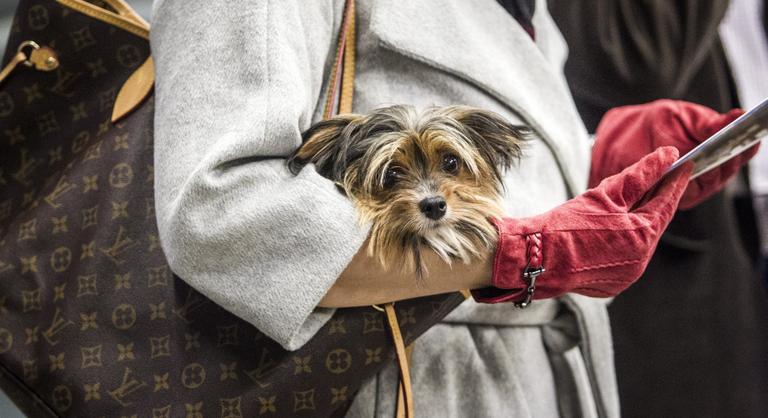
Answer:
(433, 207)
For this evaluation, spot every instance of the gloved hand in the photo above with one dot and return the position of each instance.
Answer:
(627, 133)
(596, 244)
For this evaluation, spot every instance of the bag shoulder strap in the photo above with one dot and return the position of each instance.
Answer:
(343, 71)
(125, 18)
(343, 77)
(124, 9)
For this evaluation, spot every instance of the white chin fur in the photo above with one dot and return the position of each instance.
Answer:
(449, 244)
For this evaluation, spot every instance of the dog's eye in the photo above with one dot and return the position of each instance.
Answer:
(450, 163)
(392, 176)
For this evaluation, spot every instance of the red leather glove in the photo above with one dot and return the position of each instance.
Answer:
(627, 133)
(596, 244)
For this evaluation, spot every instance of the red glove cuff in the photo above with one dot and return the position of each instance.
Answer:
(514, 271)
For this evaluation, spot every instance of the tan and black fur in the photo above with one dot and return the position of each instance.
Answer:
(393, 160)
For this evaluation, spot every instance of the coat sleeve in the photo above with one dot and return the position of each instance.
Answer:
(236, 83)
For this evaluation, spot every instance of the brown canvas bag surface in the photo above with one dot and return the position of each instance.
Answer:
(92, 321)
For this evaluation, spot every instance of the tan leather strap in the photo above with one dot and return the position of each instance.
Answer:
(139, 84)
(32, 55)
(400, 413)
(405, 393)
(343, 70)
(15, 61)
(343, 76)
(124, 9)
(348, 71)
(405, 407)
(135, 89)
(127, 21)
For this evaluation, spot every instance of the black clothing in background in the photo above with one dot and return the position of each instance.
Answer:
(690, 336)
(626, 52)
(765, 16)
(522, 11)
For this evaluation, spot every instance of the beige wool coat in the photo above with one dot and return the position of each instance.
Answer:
(235, 88)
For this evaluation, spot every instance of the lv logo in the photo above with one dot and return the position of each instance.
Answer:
(266, 364)
(64, 82)
(28, 165)
(129, 385)
(121, 244)
(62, 187)
(52, 334)
(192, 302)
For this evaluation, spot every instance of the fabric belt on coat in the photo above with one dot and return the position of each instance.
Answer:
(567, 323)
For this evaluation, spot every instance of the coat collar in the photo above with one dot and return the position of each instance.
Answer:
(489, 49)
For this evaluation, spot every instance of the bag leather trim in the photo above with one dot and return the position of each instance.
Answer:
(127, 24)
(139, 84)
(134, 90)
(125, 10)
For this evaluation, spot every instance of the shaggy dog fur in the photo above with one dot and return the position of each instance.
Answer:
(428, 180)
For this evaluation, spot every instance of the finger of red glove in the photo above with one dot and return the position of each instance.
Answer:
(622, 191)
(701, 122)
(663, 201)
(711, 182)
(684, 124)
(721, 122)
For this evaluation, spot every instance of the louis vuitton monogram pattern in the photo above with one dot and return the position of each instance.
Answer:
(92, 321)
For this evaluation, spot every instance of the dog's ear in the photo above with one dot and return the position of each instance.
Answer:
(324, 145)
(498, 141)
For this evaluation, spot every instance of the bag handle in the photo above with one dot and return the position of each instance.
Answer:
(342, 75)
(134, 90)
(125, 18)
(32, 55)
(404, 408)
(339, 98)
(140, 83)
(125, 10)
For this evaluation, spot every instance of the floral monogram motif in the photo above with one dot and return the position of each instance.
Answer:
(92, 319)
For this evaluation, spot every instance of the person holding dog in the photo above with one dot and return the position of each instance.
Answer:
(236, 87)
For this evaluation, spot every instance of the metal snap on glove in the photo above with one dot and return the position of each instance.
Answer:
(596, 244)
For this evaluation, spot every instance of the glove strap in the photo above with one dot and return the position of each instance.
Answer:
(533, 269)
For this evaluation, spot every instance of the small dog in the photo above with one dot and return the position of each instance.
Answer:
(429, 180)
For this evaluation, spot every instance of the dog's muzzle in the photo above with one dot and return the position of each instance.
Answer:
(433, 207)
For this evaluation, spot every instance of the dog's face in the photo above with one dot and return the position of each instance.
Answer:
(422, 180)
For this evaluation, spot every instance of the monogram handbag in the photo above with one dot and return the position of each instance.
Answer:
(93, 323)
